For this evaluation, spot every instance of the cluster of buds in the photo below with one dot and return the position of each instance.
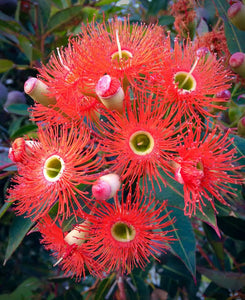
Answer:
(119, 111)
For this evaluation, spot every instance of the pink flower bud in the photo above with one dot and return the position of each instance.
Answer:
(237, 63)
(38, 91)
(106, 187)
(225, 94)
(78, 235)
(203, 51)
(178, 175)
(19, 148)
(110, 92)
(236, 14)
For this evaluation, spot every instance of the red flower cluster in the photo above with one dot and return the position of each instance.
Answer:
(117, 109)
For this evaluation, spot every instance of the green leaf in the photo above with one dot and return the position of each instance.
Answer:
(40, 13)
(24, 291)
(9, 24)
(232, 227)
(174, 268)
(68, 16)
(104, 288)
(213, 290)
(216, 242)
(166, 20)
(239, 144)
(208, 216)
(70, 294)
(173, 192)
(4, 208)
(105, 2)
(185, 245)
(26, 129)
(17, 232)
(136, 288)
(26, 46)
(227, 280)
(235, 37)
(156, 6)
(5, 65)
(18, 109)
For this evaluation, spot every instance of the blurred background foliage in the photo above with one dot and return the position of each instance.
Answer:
(208, 261)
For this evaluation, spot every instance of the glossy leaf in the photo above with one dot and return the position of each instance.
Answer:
(232, 227)
(156, 6)
(174, 193)
(228, 280)
(166, 20)
(105, 286)
(9, 24)
(62, 18)
(5, 65)
(185, 245)
(24, 291)
(106, 2)
(213, 290)
(216, 242)
(18, 109)
(239, 144)
(17, 232)
(25, 46)
(136, 288)
(4, 208)
(173, 268)
(26, 129)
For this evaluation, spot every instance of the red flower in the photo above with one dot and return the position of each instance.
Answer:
(205, 166)
(123, 51)
(191, 79)
(58, 163)
(141, 140)
(126, 235)
(71, 253)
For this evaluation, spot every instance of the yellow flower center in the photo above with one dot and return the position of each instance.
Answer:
(123, 232)
(185, 81)
(141, 142)
(124, 55)
(53, 168)
(120, 55)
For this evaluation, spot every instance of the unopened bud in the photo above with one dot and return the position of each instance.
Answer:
(241, 127)
(110, 92)
(19, 148)
(236, 14)
(237, 63)
(178, 175)
(202, 52)
(106, 187)
(225, 94)
(38, 91)
(78, 235)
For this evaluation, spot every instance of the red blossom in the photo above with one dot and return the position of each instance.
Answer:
(205, 165)
(191, 81)
(74, 258)
(62, 159)
(126, 235)
(141, 140)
